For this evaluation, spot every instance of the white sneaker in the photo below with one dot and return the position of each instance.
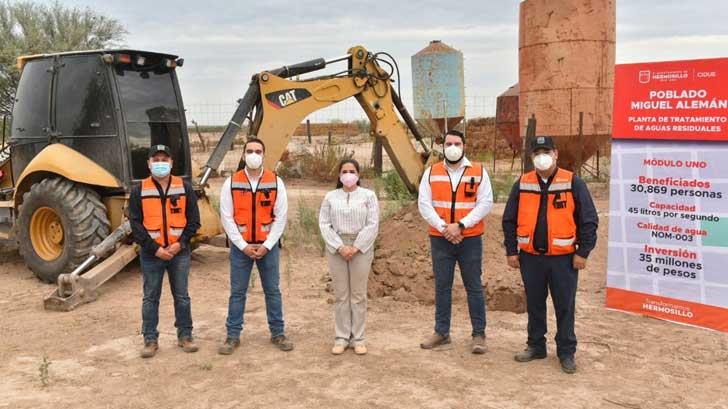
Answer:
(360, 349)
(338, 349)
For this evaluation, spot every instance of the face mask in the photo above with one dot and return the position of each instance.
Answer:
(543, 161)
(349, 179)
(160, 169)
(453, 154)
(253, 160)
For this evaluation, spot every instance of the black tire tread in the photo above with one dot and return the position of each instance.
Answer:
(82, 206)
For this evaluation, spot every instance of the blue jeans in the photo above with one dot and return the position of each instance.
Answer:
(469, 255)
(240, 269)
(178, 271)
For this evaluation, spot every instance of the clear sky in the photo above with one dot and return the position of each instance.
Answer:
(224, 42)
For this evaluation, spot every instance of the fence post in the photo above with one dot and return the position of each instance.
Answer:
(579, 163)
(308, 130)
(378, 155)
(495, 144)
(329, 136)
(444, 113)
(526, 163)
(199, 135)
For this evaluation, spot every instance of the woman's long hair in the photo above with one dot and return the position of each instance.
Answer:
(340, 185)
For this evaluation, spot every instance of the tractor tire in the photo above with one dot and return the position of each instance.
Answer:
(58, 224)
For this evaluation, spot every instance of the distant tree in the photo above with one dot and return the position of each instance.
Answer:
(30, 28)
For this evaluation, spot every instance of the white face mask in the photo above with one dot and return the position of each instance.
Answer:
(253, 160)
(543, 161)
(348, 179)
(453, 153)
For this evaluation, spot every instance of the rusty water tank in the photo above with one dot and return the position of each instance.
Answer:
(438, 85)
(506, 118)
(566, 66)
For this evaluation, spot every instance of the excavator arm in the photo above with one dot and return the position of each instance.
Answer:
(275, 105)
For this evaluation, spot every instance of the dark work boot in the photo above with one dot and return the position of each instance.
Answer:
(282, 343)
(568, 364)
(528, 355)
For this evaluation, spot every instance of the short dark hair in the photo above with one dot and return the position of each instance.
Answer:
(253, 140)
(454, 132)
(353, 161)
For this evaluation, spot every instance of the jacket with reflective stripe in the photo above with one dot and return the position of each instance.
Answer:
(559, 213)
(253, 211)
(164, 226)
(453, 206)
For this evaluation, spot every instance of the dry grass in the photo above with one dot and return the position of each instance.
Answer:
(321, 163)
(43, 370)
(303, 231)
(502, 184)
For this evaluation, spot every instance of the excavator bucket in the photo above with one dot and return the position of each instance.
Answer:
(210, 225)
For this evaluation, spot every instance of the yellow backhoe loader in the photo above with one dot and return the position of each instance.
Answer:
(82, 124)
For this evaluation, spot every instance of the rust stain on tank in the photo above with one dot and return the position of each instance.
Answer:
(566, 66)
(438, 85)
(506, 117)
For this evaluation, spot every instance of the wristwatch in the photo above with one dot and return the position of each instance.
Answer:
(462, 226)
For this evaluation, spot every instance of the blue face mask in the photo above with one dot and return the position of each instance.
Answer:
(160, 169)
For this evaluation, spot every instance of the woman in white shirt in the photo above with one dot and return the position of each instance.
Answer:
(349, 222)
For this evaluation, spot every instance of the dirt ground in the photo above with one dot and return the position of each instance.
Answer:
(91, 354)
(404, 254)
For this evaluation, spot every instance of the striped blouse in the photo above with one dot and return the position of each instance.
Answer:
(349, 213)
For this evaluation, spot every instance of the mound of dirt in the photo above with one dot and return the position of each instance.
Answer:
(481, 134)
(402, 265)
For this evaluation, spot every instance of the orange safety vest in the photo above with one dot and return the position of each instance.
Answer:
(164, 226)
(253, 211)
(559, 213)
(453, 206)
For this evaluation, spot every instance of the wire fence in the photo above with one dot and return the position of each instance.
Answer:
(218, 114)
(336, 125)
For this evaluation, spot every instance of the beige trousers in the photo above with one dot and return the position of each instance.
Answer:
(350, 293)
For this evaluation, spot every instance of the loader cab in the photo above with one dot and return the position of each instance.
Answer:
(109, 105)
